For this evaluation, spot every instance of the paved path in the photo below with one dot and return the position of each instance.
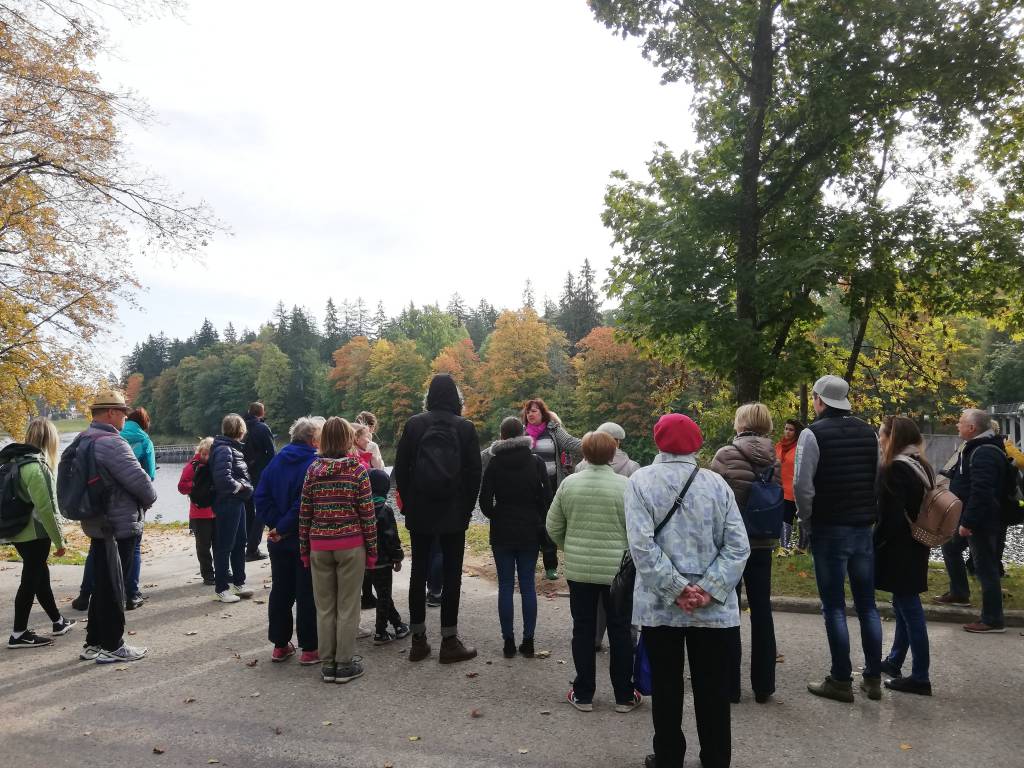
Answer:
(56, 711)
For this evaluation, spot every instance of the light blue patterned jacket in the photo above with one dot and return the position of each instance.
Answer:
(705, 543)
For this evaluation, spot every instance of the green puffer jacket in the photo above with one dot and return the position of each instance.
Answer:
(587, 520)
(39, 486)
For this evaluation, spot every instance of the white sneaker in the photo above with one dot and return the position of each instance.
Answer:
(89, 653)
(228, 597)
(363, 632)
(124, 653)
(242, 591)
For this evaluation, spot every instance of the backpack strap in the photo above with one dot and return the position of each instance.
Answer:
(919, 470)
(678, 501)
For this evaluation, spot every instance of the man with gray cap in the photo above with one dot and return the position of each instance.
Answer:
(834, 485)
(621, 463)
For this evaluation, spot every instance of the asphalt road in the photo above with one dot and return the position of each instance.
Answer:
(198, 700)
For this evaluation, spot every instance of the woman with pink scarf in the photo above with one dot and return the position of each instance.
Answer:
(549, 440)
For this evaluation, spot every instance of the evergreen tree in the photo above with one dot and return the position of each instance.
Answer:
(332, 331)
(380, 321)
(229, 334)
(457, 308)
(528, 297)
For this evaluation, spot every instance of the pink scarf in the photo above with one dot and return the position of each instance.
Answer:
(535, 431)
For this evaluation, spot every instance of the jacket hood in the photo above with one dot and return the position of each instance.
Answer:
(443, 395)
(619, 460)
(759, 449)
(380, 482)
(199, 457)
(330, 467)
(296, 453)
(221, 440)
(16, 450)
(504, 446)
(996, 440)
(130, 428)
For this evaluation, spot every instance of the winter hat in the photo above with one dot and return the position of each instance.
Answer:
(612, 429)
(380, 483)
(676, 433)
(833, 392)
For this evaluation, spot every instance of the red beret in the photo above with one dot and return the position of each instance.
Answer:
(676, 433)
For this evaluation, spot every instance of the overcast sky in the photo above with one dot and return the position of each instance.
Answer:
(396, 151)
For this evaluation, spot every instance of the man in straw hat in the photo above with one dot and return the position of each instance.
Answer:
(129, 492)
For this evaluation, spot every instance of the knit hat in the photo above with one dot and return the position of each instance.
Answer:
(380, 483)
(612, 429)
(108, 399)
(676, 433)
(833, 392)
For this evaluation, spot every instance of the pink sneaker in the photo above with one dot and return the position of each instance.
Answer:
(280, 654)
(308, 658)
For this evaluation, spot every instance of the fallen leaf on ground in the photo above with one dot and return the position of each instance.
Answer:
(190, 633)
(561, 661)
(158, 750)
(545, 711)
(131, 632)
(523, 751)
(414, 738)
(259, 602)
(476, 713)
(542, 654)
(802, 574)
(212, 760)
(472, 674)
(254, 694)
(905, 747)
(488, 662)
(252, 662)
(190, 700)
(326, 722)
(237, 656)
(277, 731)
(120, 669)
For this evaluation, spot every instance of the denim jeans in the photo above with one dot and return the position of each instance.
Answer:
(230, 542)
(911, 634)
(985, 553)
(131, 585)
(583, 601)
(838, 551)
(507, 561)
(953, 557)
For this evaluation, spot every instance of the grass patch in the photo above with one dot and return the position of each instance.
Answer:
(73, 556)
(477, 542)
(71, 425)
(794, 577)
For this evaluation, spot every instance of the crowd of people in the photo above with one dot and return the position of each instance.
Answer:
(695, 536)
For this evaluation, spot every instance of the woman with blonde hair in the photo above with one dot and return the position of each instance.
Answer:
(338, 541)
(749, 457)
(232, 488)
(200, 518)
(34, 462)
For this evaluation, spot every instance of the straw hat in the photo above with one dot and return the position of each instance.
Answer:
(108, 399)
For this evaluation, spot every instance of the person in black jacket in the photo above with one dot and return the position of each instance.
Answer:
(977, 480)
(258, 451)
(514, 496)
(834, 485)
(389, 560)
(232, 488)
(901, 561)
(437, 471)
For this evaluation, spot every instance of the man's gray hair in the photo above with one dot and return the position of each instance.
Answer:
(306, 428)
(979, 418)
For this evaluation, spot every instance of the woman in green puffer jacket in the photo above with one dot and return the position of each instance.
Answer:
(36, 458)
(587, 521)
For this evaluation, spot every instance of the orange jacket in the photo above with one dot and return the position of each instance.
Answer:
(787, 457)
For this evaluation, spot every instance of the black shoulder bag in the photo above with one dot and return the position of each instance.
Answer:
(625, 579)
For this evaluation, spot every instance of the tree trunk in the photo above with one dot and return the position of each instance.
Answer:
(803, 403)
(858, 342)
(750, 362)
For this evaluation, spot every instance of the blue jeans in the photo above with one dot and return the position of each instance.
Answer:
(131, 584)
(838, 551)
(985, 553)
(912, 634)
(507, 561)
(229, 543)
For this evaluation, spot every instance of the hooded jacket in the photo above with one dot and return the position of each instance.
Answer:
(336, 508)
(977, 481)
(142, 447)
(130, 491)
(38, 486)
(453, 514)
(230, 474)
(279, 490)
(188, 475)
(731, 463)
(258, 449)
(515, 494)
(389, 543)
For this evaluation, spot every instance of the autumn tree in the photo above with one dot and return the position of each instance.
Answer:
(804, 113)
(348, 376)
(394, 385)
(462, 362)
(133, 388)
(71, 202)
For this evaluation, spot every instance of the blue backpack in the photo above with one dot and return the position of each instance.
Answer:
(765, 503)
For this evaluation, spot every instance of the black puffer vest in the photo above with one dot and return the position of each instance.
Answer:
(844, 483)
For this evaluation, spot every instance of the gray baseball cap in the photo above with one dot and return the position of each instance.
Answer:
(612, 429)
(833, 391)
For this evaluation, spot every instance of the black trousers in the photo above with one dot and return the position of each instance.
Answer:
(292, 585)
(35, 583)
(453, 547)
(106, 615)
(757, 576)
(382, 579)
(253, 528)
(204, 529)
(583, 601)
(709, 672)
(549, 552)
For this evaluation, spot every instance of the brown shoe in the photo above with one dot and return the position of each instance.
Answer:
(452, 651)
(981, 628)
(951, 599)
(419, 649)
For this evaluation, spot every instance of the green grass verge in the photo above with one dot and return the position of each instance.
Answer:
(476, 539)
(71, 425)
(794, 577)
(73, 556)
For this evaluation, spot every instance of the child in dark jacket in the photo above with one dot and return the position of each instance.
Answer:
(389, 560)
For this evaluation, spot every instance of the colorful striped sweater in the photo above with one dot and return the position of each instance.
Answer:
(336, 507)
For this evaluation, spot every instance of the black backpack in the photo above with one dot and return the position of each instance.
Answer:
(202, 493)
(15, 512)
(81, 492)
(437, 471)
(1011, 495)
